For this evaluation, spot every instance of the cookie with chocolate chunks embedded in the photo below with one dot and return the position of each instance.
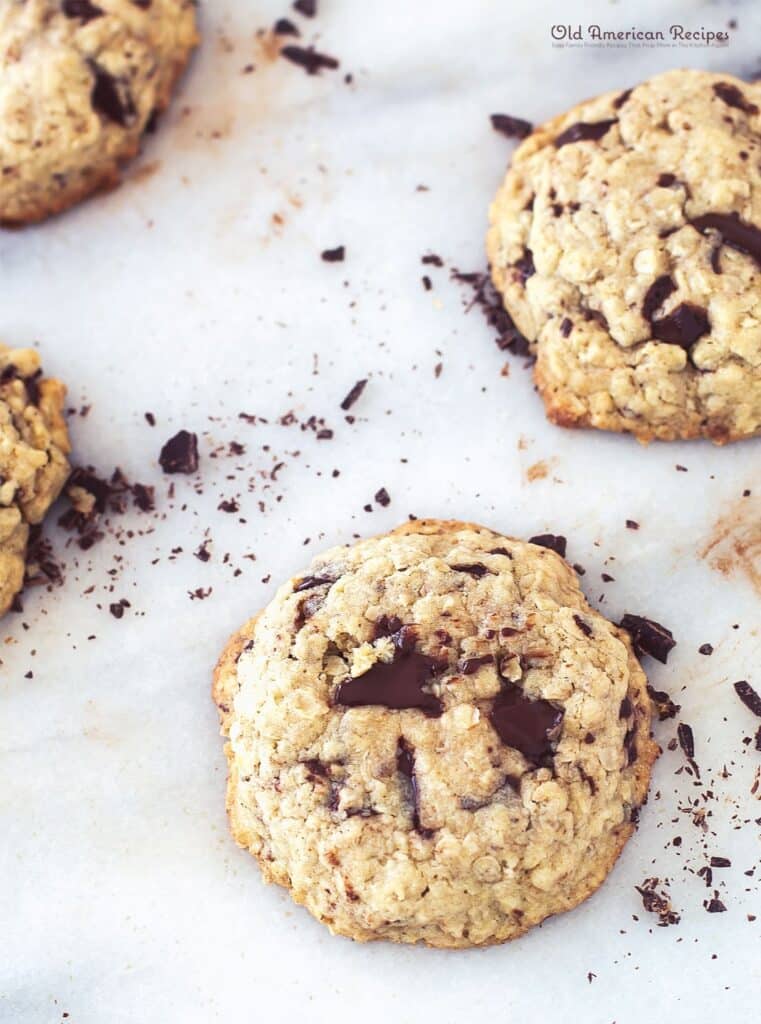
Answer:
(626, 244)
(80, 82)
(447, 746)
(34, 444)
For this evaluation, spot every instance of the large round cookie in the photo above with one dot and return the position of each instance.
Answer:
(626, 242)
(79, 82)
(433, 737)
(34, 444)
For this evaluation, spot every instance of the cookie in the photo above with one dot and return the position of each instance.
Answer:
(80, 80)
(433, 737)
(34, 444)
(626, 243)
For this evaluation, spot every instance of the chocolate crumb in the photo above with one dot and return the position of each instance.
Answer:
(705, 649)
(334, 255)
(180, 453)
(664, 705)
(306, 7)
(632, 524)
(686, 740)
(382, 497)
(151, 419)
(285, 27)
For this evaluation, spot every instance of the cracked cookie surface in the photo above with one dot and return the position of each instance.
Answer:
(432, 737)
(34, 444)
(626, 243)
(79, 83)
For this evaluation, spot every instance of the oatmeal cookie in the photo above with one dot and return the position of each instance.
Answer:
(433, 738)
(626, 243)
(79, 82)
(34, 444)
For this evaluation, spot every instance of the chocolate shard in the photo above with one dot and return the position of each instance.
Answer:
(686, 740)
(748, 696)
(180, 453)
(308, 58)
(622, 97)
(649, 636)
(475, 569)
(512, 127)
(530, 726)
(336, 255)
(555, 542)
(584, 131)
(684, 326)
(354, 394)
(398, 684)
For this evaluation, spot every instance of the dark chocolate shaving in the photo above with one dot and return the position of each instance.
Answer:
(354, 394)
(512, 127)
(308, 58)
(749, 697)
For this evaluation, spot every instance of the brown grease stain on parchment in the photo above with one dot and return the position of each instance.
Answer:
(734, 545)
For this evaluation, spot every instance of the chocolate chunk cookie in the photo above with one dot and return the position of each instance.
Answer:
(626, 243)
(434, 738)
(79, 83)
(33, 467)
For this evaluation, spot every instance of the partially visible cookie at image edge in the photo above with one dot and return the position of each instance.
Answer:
(626, 243)
(34, 444)
(432, 737)
(80, 81)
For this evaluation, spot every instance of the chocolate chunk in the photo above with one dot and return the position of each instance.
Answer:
(745, 238)
(749, 697)
(734, 97)
(431, 259)
(144, 497)
(109, 98)
(334, 255)
(398, 684)
(354, 394)
(721, 862)
(686, 740)
(622, 97)
(500, 551)
(306, 7)
(714, 906)
(512, 127)
(656, 295)
(405, 763)
(308, 58)
(664, 705)
(476, 569)
(632, 524)
(585, 628)
(566, 326)
(630, 745)
(284, 27)
(316, 768)
(470, 665)
(555, 542)
(82, 9)
(530, 726)
(117, 608)
(666, 180)
(308, 582)
(683, 327)
(180, 453)
(584, 131)
(382, 497)
(649, 636)
(525, 266)
(386, 625)
(626, 709)
(705, 649)
(656, 902)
